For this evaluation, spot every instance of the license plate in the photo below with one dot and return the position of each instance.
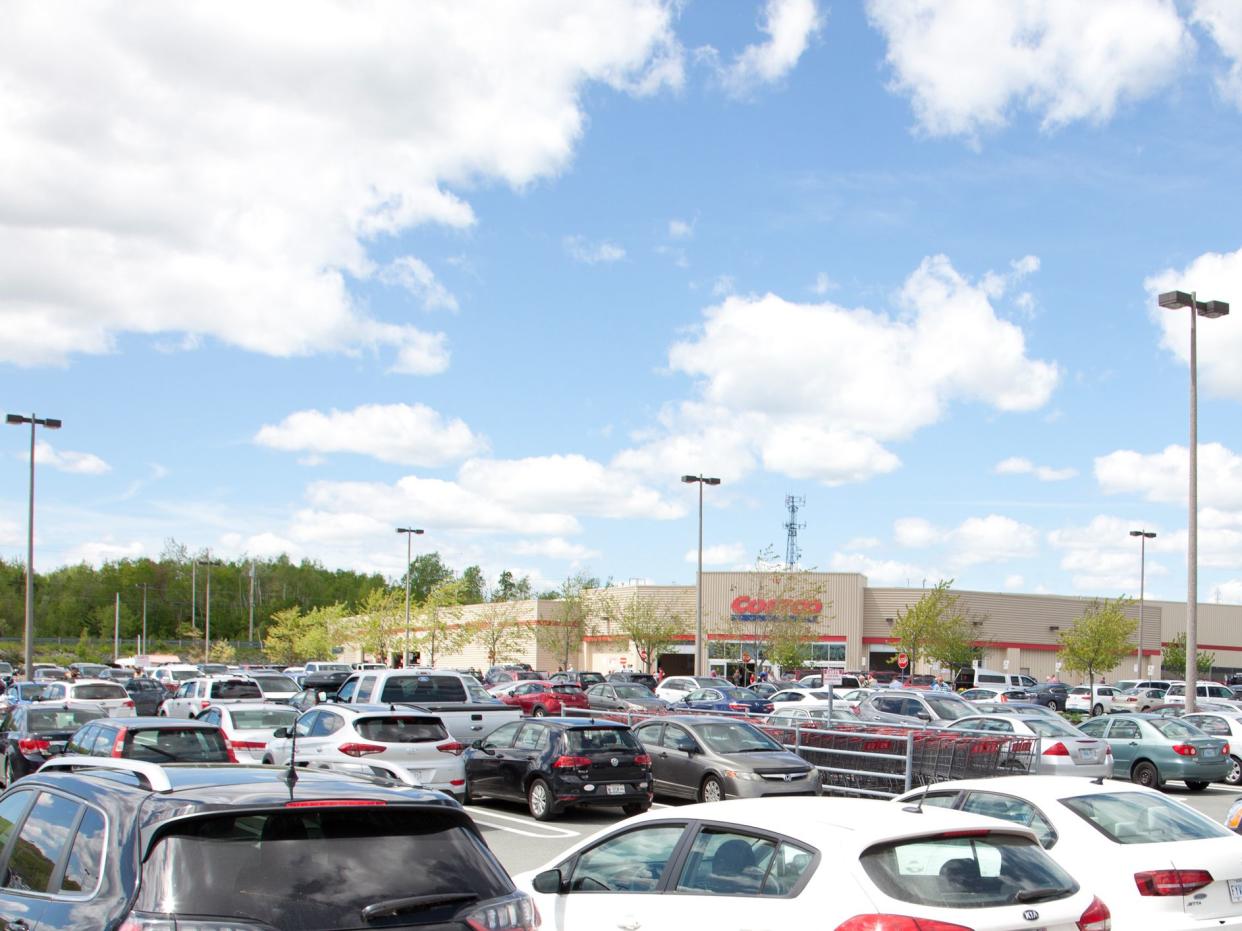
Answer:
(57, 746)
(1235, 890)
(615, 789)
(1209, 751)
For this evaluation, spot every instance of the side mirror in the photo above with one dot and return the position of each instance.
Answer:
(685, 698)
(476, 745)
(281, 732)
(924, 716)
(548, 882)
(323, 696)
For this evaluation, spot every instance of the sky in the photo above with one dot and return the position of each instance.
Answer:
(296, 274)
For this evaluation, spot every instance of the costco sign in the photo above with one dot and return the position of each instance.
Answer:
(746, 608)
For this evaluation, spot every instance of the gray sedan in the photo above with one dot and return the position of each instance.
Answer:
(712, 758)
(623, 696)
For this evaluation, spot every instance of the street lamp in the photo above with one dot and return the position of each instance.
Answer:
(1210, 309)
(207, 617)
(1144, 536)
(409, 536)
(144, 586)
(52, 424)
(698, 579)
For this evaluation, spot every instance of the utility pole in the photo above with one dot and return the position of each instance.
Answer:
(250, 634)
(116, 629)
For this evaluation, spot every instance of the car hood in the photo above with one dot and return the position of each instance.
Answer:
(767, 762)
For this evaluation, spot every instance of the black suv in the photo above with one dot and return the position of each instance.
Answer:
(87, 845)
(552, 763)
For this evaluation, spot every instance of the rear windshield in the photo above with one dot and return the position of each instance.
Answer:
(982, 870)
(33, 692)
(58, 674)
(567, 689)
(1175, 729)
(101, 692)
(174, 745)
(949, 709)
(6, 669)
(1139, 818)
(316, 869)
(180, 675)
(235, 688)
(589, 678)
(69, 719)
(608, 739)
(276, 683)
(391, 729)
(332, 667)
(633, 691)
(214, 669)
(1051, 727)
(421, 687)
(255, 718)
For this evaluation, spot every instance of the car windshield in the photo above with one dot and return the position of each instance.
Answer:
(401, 729)
(177, 745)
(736, 738)
(949, 709)
(235, 688)
(632, 691)
(589, 678)
(262, 718)
(982, 869)
(180, 675)
(1175, 729)
(99, 692)
(331, 667)
(1142, 818)
(316, 869)
(275, 683)
(423, 687)
(33, 692)
(608, 739)
(61, 719)
(1080, 690)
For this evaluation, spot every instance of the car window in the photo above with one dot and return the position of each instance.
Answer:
(11, 811)
(1017, 810)
(649, 734)
(1142, 818)
(607, 739)
(39, 845)
(1209, 723)
(327, 724)
(82, 740)
(418, 688)
(503, 735)
(726, 863)
(365, 684)
(346, 692)
(234, 689)
(306, 722)
(1175, 729)
(210, 716)
(629, 862)
(1124, 730)
(256, 718)
(533, 737)
(60, 719)
(1095, 728)
(176, 745)
(101, 743)
(86, 855)
(678, 738)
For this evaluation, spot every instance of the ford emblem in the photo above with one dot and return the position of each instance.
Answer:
(1031, 915)
(615, 762)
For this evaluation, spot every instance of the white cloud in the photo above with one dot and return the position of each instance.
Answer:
(414, 275)
(1013, 583)
(916, 532)
(882, 571)
(680, 229)
(1016, 465)
(65, 461)
(1215, 276)
(592, 253)
(993, 538)
(864, 543)
(1102, 557)
(789, 25)
(823, 284)
(96, 553)
(1229, 592)
(219, 172)
(555, 548)
(9, 533)
(1223, 20)
(407, 434)
(720, 554)
(968, 65)
(1165, 476)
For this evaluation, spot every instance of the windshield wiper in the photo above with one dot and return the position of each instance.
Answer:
(759, 750)
(414, 903)
(1039, 894)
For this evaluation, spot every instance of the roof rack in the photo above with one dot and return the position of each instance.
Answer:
(150, 773)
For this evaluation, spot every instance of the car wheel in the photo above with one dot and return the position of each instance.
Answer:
(466, 797)
(711, 790)
(268, 761)
(539, 711)
(1234, 776)
(1145, 774)
(539, 801)
(1196, 785)
(636, 808)
(1097, 711)
(7, 778)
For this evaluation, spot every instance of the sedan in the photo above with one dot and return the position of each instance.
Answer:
(802, 863)
(543, 698)
(816, 715)
(984, 693)
(788, 698)
(1080, 698)
(1137, 700)
(1060, 749)
(1159, 864)
(1226, 724)
(31, 734)
(709, 759)
(726, 698)
(249, 728)
(1149, 749)
(622, 696)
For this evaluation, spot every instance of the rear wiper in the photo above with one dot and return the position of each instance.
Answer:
(415, 903)
(1038, 895)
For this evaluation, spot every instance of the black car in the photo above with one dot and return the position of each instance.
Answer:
(155, 740)
(553, 763)
(584, 680)
(31, 734)
(120, 844)
(146, 693)
(1049, 694)
(632, 675)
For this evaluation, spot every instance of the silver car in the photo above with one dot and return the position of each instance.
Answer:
(623, 696)
(712, 758)
(1060, 749)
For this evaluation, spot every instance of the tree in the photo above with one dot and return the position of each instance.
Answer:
(510, 589)
(379, 616)
(222, 652)
(426, 572)
(439, 622)
(293, 636)
(564, 634)
(649, 625)
(473, 586)
(1175, 657)
(1100, 639)
(500, 633)
(955, 646)
(924, 624)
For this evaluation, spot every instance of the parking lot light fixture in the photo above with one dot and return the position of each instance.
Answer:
(1144, 536)
(699, 657)
(409, 536)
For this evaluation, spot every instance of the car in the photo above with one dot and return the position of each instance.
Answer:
(155, 740)
(1137, 700)
(1149, 750)
(364, 666)
(275, 686)
(50, 674)
(623, 696)
(725, 698)
(913, 706)
(710, 758)
(109, 697)
(633, 675)
(87, 670)
(214, 669)
(1061, 749)
(766, 689)
(1124, 685)
(173, 674)
(30, 735)
(6, 673)
(584, 680)
(241, 848)
(810, 863)
(788, 698)
(813, 715)
(1210, 691)
(543, 698)
(449, 695)
(851, 697)
(317, 666)
(497, 676)
(1016, 707)
(1228, 725)
(674, 688)
(1082, 698)
(1159, 864)
(193, 695)
(249, 727)
(555, 763)
(816, 681)
(1176, 710)
(145, 692)
(23, 692)
(988, 693)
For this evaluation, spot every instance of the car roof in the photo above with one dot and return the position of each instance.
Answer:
(92, 682)
(578, 723)
(230, 707)
(1032, 787)
(691, 719)
(149, 722)
(372, 709)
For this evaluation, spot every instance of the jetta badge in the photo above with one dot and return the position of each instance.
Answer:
(1031, 915)
(615, 761)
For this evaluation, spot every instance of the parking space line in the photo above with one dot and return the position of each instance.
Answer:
(552, 830)
(512, 830)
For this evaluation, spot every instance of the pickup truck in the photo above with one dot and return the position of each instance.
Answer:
(445, 694)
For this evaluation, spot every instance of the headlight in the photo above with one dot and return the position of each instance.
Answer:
(737, 774)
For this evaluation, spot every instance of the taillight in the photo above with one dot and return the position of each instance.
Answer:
(736, 706)
(33, 745)
(143, 923)
(897, 923)
(1185, 750)
(1171, 882)
(1225, 749)
(514, 912)
(248, 744)
(452, 747)
(357, 750)
(128, 703)
(572, 762)
(205, 702)
(228, 748)
(118, 745)
(1057, 749)
(1096, 917)
(643, 759)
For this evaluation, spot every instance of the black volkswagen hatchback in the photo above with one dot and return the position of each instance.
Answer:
(553, 763)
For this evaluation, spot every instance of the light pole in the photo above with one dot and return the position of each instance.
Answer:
(698, 579)
(409, 536)
(1210, 309)
(144, 586)
(1144, 536)
(207, 615)
(51, 424)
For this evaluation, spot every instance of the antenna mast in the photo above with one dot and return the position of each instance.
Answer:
(793, 554)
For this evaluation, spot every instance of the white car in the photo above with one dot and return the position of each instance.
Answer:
(1227, 724)
(1159, 864)
(109, 697)
(249, 727)
(197, 694)
(675, 688)
(416, 740)
(1057, 748)
(850, 697)
(790, 698)
(275, 686)
(1210, 691)
(1080, 698)
(993, 693)
(794, 862)
(172, 675)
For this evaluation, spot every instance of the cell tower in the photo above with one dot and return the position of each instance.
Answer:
(792, 553)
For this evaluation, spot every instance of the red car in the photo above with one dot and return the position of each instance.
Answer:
(540, 698)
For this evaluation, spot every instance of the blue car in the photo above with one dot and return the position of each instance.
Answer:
(726, 698)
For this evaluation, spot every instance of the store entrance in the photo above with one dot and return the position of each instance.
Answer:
(676, 664)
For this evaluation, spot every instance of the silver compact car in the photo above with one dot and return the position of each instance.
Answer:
(712, 758)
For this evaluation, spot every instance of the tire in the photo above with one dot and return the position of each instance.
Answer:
(1196, 785)
(1235, 772)
(1097, 711)
(539, 801)
(8, 772)
(268, 761)
(466, 797)
(635, 808)
(711, 790)
(1145, 774)
(538, 712)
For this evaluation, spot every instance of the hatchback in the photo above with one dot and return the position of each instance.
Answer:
(154, 740)
(248, 728)
(673, 688)
(146, 693)
(1149, 749)
(195, 695)
(30, 735)
(275, 686)
(1081, 698)
(541, 698)
(623, 696)
(910, 706)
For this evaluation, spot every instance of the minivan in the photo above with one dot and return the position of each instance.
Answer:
(974, 678)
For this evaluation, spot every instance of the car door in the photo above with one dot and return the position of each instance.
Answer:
(18, 908)
(516, 761)
(680, 755)
(1124, 737)
(321, 740)
(483, 766)
(649, 736)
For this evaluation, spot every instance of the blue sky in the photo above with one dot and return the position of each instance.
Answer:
(506, 272)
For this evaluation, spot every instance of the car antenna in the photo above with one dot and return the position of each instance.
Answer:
(917, 807)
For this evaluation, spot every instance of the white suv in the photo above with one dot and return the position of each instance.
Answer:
(1079, 698)
(1213, 691)
(416, 740)
(109, 697)
(197, 694)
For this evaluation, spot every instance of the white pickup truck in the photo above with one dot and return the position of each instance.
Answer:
(465, 709)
